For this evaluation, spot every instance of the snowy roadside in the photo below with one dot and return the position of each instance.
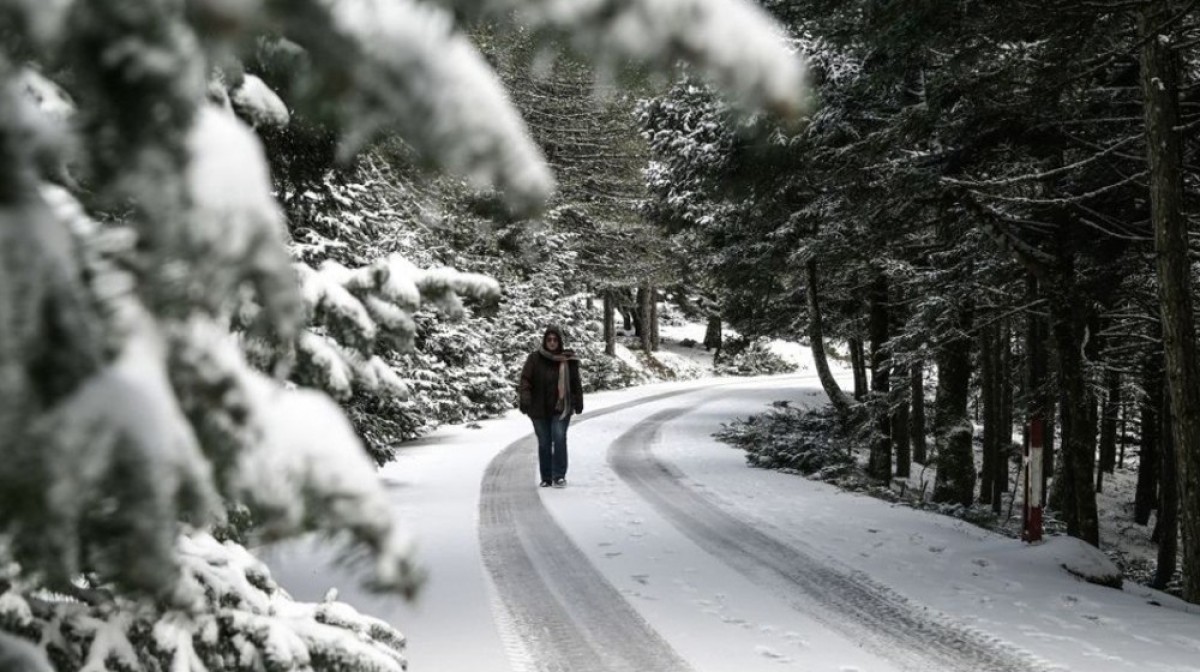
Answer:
(997, 587)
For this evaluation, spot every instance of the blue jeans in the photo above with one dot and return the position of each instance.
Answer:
(552, 446)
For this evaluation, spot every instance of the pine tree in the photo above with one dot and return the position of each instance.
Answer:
(152, 313)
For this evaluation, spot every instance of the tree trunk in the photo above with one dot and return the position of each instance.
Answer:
(901, 434)
(1146, 498)
(1160, 90)
(610, 326)
(858, 364)
(952, 427)
(654, 340)
(1108, 427)
(816, 340)
(1005, 435)
(712, 337)
(1122, 433)
(879, 464)
(987, 399)
(645, 331)
(1166, 531)
(1062, 487)
(1048, 450)
(920, 447)
(1077, 495)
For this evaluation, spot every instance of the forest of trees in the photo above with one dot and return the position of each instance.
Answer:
(209, 281)
(993, 195)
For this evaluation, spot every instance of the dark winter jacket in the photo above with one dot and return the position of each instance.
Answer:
(539, 386)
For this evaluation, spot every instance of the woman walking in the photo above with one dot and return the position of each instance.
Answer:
(550, 392)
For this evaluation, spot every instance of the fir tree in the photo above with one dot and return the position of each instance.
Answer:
(152, 312)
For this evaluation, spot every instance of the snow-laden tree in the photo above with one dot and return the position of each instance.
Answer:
(1007, 167)
(150, 314)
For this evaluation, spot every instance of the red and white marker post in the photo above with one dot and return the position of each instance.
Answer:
(1031, 530)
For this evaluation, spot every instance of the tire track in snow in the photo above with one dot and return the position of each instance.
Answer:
(565, 614)
(885, 622)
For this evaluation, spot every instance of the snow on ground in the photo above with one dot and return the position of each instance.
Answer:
(717, 618)
(434, 486)
(1018, 593)
(1118, 531)
(685, 343)
(796, 354)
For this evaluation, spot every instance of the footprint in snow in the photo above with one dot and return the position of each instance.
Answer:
(643, 579)
(768, 652)
(796, 638)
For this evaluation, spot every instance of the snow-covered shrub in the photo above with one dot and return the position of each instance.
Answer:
(752, 358)
(802, 441)
(230, 616)
(612, 373)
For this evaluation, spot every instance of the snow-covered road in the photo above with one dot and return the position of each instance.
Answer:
(667, 553)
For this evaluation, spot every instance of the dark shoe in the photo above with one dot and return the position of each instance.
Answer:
(544, 484)
(560, 482)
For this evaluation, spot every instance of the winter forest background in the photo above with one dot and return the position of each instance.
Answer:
(251, 246)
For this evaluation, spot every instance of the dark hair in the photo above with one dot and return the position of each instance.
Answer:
(554, 330)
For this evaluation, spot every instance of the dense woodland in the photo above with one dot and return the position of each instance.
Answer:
(969, 215)
(995, 197)
(988, 205)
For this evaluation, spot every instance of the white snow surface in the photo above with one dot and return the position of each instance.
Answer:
(259, 104)
(714, 617)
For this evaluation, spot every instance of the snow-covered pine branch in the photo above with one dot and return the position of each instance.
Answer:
(255, 102)
(733, 43)
(350, 309)
(413, 72)
(231, 616)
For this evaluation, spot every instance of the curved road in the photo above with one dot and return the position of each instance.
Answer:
(559, 612)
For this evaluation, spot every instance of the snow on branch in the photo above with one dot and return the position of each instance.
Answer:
(412, 71)
(350, 309)
(235, 231)
(235, 618)
(289, 456)
(734, 43)
(1045, 174)
(255, 102)
(311, 472)
(121, 448)
(1061, 200)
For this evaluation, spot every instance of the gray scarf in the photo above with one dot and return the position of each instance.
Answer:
(564, 379)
